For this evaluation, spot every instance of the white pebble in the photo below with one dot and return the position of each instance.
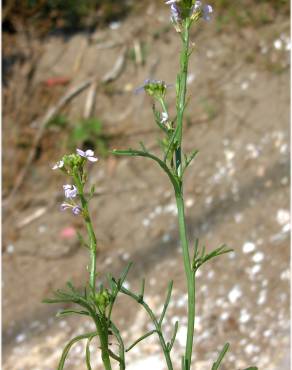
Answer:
(146, 222)
(244, 316)
(20, 338)
(244, 85)
(278, 44)
(262, 297)
(258, 257)
(234, 294)
(248, 247)
(190, 202)
(285, 275)
(238, 217)
(283, 216)
(10, 248)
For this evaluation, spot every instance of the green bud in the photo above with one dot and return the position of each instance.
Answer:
(102, 299)
(155, 88)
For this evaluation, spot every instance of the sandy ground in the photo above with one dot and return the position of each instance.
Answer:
(236, 192)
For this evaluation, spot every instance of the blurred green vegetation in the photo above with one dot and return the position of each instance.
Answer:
(85, 133)
(248, 12)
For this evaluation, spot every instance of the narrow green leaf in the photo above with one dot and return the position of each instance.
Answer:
(143, 147)
(252, 368)
(68, 347)
(71, 312)
(196, 249)
(92, 191)
(138, 153)
(125, 273)
(140, 339)
(87, 353)
(166, 303)
(141, 295)
(170, 345)
(220, 357)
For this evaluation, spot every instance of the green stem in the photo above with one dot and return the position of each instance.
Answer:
(190, 281)
(181, 93)
(90, 231)
(181, 102)
(101, 329)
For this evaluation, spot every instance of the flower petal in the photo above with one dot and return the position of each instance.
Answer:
(59, 164)
(81, 152)
(89, 153)
(92, 159)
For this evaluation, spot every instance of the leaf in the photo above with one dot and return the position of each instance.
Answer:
(68, 347)
(170, 345)
(220, 357)
(87, 353)
(92, 191)
(200, 260)
(140, 339)
(71, 312)
(189, 159)
(176, 182)
(252, 368)
(168, 295)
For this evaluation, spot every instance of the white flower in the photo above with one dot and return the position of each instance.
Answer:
(59, 164)
(88, 154)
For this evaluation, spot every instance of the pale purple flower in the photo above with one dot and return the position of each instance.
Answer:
(76, 210)
(175, 13)
(59, 164)
(197, 6)
(205, 10)
(174, 9)
(88, 154)
(70, 191)
(65, 206)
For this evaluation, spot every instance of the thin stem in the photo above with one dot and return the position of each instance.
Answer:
(101, 329)
(181, 103)
(90, 231)
(190, 282)
(181, 93)
(121, 346)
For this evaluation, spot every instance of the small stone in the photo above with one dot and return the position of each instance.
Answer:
(248, 247)
(283, 216)
(10, 248)
(20, 338)
(258, 257)
(234, 294)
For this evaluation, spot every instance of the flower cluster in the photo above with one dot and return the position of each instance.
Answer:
(68, 164)
(154, 88)
(180, 9)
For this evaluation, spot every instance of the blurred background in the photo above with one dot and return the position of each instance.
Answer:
(70, 69)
